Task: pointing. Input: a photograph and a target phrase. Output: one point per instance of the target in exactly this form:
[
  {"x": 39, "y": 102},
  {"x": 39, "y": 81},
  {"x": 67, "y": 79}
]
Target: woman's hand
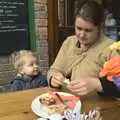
[
  {"x": 57, "y": 79},
  {"x": 84, "y": 85}
]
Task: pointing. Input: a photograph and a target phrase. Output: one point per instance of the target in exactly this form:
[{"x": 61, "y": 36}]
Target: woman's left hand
[{"x": 84, "y": 85}]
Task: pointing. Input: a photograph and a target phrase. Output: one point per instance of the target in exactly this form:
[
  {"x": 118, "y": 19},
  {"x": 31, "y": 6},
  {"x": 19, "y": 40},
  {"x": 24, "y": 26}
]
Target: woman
[{"x": 84, "y": 53}]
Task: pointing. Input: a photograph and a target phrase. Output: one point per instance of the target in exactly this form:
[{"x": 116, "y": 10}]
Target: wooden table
[{"x": 17, "y": 105}]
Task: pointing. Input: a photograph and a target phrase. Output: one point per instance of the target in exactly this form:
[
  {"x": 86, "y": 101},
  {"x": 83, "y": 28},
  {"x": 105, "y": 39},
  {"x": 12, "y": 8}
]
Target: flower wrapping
[{"x": 116, "y": 81}]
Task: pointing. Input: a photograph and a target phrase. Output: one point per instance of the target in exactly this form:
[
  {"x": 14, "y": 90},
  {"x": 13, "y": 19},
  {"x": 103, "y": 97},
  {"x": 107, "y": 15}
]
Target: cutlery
[
  {"x": 94, "y": 114},
  {"x": 59, "y": 97},
  {"x": 76, "y": 111},
  {"x": 68, "y": 114}
]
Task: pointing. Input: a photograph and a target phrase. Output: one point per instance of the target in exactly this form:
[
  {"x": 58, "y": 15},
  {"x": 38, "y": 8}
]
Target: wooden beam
[{"x": 52, "y": 29}]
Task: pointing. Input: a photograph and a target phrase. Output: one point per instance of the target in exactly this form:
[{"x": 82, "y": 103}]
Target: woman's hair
[
  {"x": 17, "y": 58},
  {"x": 91, "y": 11}
]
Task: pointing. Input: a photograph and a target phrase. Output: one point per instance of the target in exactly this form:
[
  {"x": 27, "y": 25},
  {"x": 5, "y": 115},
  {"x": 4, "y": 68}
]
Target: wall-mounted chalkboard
[{"x": 14, "y": 26}]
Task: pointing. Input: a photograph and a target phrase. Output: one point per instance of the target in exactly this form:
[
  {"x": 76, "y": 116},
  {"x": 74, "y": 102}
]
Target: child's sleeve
[
  {"x": 42, "y": 81},
  {"x": 16, "y": 86}
]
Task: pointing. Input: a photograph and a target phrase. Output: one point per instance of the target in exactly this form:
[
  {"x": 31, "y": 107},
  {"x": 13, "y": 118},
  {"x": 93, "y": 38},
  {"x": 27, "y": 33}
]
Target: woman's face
[{"x": 86, "y": 32}]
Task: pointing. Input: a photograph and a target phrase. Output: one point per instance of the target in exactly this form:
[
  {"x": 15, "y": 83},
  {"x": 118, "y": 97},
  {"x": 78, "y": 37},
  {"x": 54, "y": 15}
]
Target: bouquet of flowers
[
  {"x": 115, "y": 46},
  {"x": 111, "y": 68}
]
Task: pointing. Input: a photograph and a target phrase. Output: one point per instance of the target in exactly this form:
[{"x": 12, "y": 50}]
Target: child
[{"x": 28, "y": 74}]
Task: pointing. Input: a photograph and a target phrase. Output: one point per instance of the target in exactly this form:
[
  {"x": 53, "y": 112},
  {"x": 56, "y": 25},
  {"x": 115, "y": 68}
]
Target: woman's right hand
[{"x": 57, "y": 79}]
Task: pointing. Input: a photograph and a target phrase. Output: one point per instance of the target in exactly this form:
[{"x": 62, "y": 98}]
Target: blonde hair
[{"x": 17, "y": 58}]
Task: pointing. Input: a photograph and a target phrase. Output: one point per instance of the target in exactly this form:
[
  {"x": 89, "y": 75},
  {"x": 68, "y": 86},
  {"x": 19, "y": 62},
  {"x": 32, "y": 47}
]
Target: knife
[{"x": 59, "y": 97}]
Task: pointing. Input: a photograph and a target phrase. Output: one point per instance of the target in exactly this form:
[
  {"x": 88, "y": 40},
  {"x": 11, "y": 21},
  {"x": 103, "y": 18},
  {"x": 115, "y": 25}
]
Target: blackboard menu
[{"x": 14, "y": 28}]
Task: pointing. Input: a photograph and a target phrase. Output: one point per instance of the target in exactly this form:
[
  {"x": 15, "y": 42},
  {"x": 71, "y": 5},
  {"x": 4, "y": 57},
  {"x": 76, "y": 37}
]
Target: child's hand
[{"x": 57, "y": 79}]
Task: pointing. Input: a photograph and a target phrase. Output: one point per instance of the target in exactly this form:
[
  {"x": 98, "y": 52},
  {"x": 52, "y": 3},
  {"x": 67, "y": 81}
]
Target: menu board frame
[{"x": 17, "y": 29}]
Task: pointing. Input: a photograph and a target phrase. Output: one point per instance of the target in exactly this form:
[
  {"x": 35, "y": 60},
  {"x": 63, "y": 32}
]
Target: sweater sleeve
[
  {"x": 16, "y": 86},
  {"x": 55, "y": 67},
  {"x": 64, "y": 58},
  {"x": 109, "y": 88}
]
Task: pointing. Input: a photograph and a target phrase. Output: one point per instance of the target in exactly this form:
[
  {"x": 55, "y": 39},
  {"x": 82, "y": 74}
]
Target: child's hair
[{"x": 17, "y": 58}]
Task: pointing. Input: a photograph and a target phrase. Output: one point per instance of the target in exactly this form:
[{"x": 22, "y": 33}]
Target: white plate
[{"x": 38, "y": 108}]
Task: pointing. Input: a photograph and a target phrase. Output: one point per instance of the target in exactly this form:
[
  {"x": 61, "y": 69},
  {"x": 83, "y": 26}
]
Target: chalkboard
[{"x": 14, "y": 26}]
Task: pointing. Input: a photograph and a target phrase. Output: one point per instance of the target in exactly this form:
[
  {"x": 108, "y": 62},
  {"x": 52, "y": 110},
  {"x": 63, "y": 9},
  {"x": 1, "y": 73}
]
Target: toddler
[{"x": 28, "y": 74}]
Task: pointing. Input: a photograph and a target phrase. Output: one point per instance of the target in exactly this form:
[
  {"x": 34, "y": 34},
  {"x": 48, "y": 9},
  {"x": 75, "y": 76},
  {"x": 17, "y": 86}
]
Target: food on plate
[
  {"x": 47, "y": 99},
  {"x": 54, "y": 102},
  {"x": 56, "y": 108}
]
